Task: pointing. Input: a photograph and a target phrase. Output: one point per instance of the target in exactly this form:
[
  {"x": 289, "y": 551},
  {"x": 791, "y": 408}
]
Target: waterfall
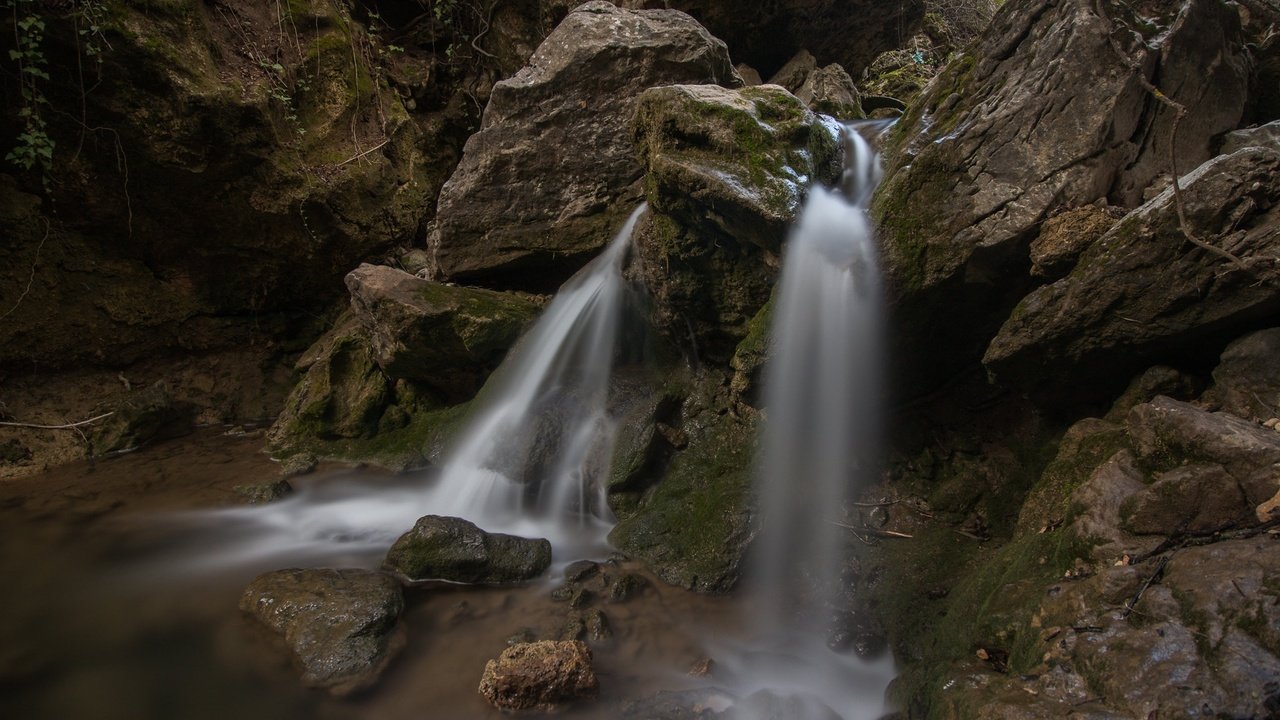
[
  {"x": 531, "y": 460},
  {"x": 820, "y": 441},
  {"x": 534, "y": 458}
]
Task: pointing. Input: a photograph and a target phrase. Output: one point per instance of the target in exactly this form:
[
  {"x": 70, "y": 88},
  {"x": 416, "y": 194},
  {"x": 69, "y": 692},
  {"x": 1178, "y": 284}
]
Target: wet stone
[
  {"x": 540, "y": 675},
  {"x": 581, "y": 598},
  {"x": 580, "y": 570},
  {"x": 627, "y": 587},
  {"x": 259, "y": 493},
  {"x": 597, "y": 625}
]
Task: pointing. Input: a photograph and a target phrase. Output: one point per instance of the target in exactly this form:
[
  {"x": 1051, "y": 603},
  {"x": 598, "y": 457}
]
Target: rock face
[
  {"x": 726, "y": 169},
  {"x": 1143, "y": 290},
  {"x": 551, "y": 175},
  {"x": 1140, "y": 555},
  {"x": 830, "y": 91},
  {"x": 442, "y": 337},
  {"x": 1041, "y": 114},
  {"x": 539, "y": 675},
  {"x": 342, "y": 625},
  {"x": 232, "y": 162},
  {"x": 448, "y": 548}
]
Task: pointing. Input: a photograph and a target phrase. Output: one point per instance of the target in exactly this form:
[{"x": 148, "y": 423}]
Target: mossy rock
[
  {"x": 692, "y": 527},
  {"x": 456, "y": 550}
]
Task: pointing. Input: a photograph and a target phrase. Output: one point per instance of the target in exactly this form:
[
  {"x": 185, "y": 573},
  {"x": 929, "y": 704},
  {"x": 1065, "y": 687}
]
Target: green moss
[
  {"x": 417, "y": 444},
  {"x": 691, "y": 528},
  {"x": 908, "y": 209}
]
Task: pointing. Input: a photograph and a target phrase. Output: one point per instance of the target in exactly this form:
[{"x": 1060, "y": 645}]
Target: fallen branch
[
  {"x": 1133, "y": 601},
  {"x": 1179, "y": 112},
  {"x": 889, "y": 534},
  {"x": 357, "y": 156},
  {"x": 67, "y": 426}
]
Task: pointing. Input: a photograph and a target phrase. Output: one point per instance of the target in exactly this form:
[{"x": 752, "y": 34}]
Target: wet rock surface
[
  {"x": 708, "y": 249},
  {"x": 453, "y": 549},
  {"x": 342, "y": 625},
  {"x": 540, "y": 675},
  {"x": 516, "y": 212}
]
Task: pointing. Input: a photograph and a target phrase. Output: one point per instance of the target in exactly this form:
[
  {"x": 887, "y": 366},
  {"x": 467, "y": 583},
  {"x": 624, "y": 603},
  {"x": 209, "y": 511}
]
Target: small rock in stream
[
  {"x": 449, "y": 548},
  {"x": 541, "y": 675}
]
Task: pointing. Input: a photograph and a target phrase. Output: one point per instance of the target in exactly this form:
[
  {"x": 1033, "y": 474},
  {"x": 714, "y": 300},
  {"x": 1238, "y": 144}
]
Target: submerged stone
[
  {"x": 453, "y": 549},
  {"x": 342, "y": 625}
]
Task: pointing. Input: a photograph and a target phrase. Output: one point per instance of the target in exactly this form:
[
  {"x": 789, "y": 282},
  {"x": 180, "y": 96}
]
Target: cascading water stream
[
  {"x": 820, "y": 441},
  {"x": 531, "y": 460}
]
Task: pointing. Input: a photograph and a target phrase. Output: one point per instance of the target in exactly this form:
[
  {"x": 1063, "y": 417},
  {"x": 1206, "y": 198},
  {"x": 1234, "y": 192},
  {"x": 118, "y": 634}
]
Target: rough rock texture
[
  {"x": 766, "y": 34},
  {"x": 192, "y": 156},
  {"x": 1040, "y": 114},
  {"x": 448, "y": 548},
  {"x": 1262, "y": 136},
  {"x": 551, "y": 173},
  {"x": 1143, "y": 292},
  {"x": 1139, "y": 557},
  {"x": 726, "y": 169},
  {"x": 830, "y": 91},
  {"x": 692, "y": 527},
  {"x": 1246, "y": 381},
  {"x": 899, "y": 74},
  {"x": 342, "y": 625},
  {"x": 1063, "y": 237},
  {"x": 145, "y": 415},
  {"x": 539, "y": 675},
  {"x": 444, "y": 338}
]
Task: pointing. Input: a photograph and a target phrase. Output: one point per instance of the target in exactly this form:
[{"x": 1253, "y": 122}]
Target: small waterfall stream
[
  {"x": 530, "y": 460},
  {"x": 820, "y": 442}
]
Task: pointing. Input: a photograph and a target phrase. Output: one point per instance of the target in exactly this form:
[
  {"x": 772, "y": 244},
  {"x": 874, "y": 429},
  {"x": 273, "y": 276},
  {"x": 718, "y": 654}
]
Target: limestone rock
[
  {"x": 453, "y": 549},
  {"x": 1142, "y": 292},
  {"x": 1246, "y": 381},
  {"x": 442, "y": 337},
  {"x": 515, "y": 210},
  {"x": 342, "y": 625},
  {"x": 1267, "y": 135},
  {"x": 1040, "y": 114},
  {"x": 540, "y": 675},
  {"x": 1167, "y": 432},
  {"x": 830, "y": 91},
  {"x": 795, "y": 73},
  {"x": 726, "y": 171},
  {"x": 1196, "y": 498},
  {"x": 342, "y": 393}
]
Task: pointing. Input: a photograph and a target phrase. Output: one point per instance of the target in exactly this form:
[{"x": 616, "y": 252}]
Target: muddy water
[{"x": 106, "y": 610}]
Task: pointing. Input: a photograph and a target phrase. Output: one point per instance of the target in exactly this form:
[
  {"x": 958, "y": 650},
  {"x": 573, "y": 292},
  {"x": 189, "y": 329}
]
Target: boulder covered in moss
[
  {"x": 693, "y": 526},
  {"x": 726, "y": 172},
  {"x": 1039, "y": 115},
  {"x": 1145, "y": 293},
  {"x": 551, "y": 175},
  {"x": 456, "y": 550},
  {"x": 441, "y": 337},
  {"x": 342, "y": 625}
]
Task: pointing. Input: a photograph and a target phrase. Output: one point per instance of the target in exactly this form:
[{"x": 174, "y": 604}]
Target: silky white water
[
  {"x": 820, "y": 441},
  {"x": 531, "y": 460}
]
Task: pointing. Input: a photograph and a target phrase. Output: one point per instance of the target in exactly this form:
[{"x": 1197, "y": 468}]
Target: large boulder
[
  {"x": 442, "y": 337},
  {"x": 1041, "y": 114},
  {"x": 726, "y": 173},
  {"x": 1144, "y": 292},
  {"x": 540, "y": 675},
  {"x": 342, "y": 625},
  {"x": 453, "y": 549},
  {"x": 551, "y": 174}
]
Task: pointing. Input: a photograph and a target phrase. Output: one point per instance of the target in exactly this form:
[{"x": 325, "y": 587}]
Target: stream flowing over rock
[
  {"x": 342, "y": 625},
  {"x": 1040, "y": 115},
  {"x": 551, "y": 174}
]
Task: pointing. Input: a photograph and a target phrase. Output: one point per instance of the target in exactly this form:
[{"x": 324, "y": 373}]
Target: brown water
[{"x": 99, "y": 617}]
